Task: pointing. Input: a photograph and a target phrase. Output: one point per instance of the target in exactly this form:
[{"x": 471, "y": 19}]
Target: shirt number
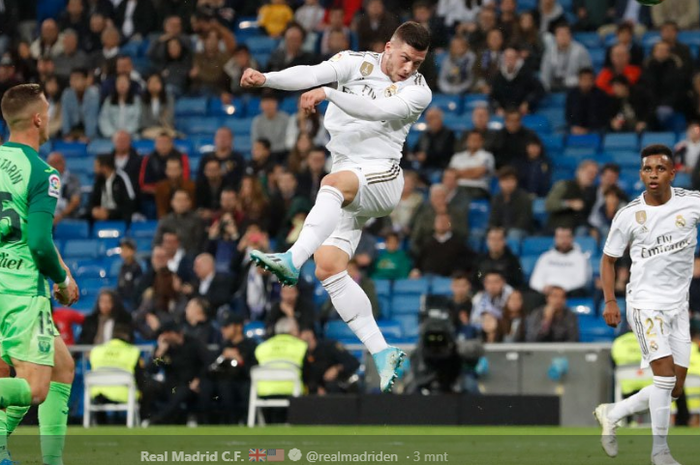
[{"x": 14, "y": 233}]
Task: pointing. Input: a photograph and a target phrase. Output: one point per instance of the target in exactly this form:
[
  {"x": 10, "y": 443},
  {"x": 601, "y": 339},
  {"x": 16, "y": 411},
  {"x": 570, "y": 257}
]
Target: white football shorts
[{"x": 661, "y": 333}]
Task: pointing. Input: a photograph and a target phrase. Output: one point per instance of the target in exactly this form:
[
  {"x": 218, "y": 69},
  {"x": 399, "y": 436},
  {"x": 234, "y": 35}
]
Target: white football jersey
[
  {"x": 662, "y": 243},
  {"x": 355, "y": 140}
]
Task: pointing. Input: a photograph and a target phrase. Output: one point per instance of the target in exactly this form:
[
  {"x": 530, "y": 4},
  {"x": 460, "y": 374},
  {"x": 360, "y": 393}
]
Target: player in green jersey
[{"x": 29, "y": 189}]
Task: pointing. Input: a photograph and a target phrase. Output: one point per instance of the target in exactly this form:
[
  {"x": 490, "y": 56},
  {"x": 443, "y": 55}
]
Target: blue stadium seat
[
  {"x": 666, "y": 138},
  {"x": 620, "y": 141},
  {"x": 254, "y": 330},
  {"x": 216, "y": 107},
  {"x": 537, "y": 123},
  {"x": 405, "y": 304},
  {"x": 472, "y": 101},
  {"x": 239, "y": 126},
  {"x": 555, "y": 117},
  {"x": 184, "y": 145},
  {"x": 527, "y": 263},
  {"x": 70, "y": 149},
  {"x": 650, "y": 38},
  {"x": 580, "y": 153},
  {"x": 591, "y": 141},
  {"x": 290, "y": 105},
  {"x": 200, "y": 125},
  {"x": 144, "y": 146},
  {"x": 561, "y": 174},
  {"x": 191, "y": 106},
  {"x": 595, "y": 330},
  {"x": 308, "y": 272},
  {"x": 627, "y": 159},
  {"x": 409, "y": 325},
  {"x": 552, "y": 142},
  {"x": 108, "y": 229},
  {"x": 457, "y": 122},
  {"x": 554, "y": 100},
  {"x": 91, "y": 271},
  {"x": 447, "y": 103},
  {"x": 566, "y": 162},
  {"x": 262, "y": 44},
  {"x": 82, "y": 248},
  {"x": 539, "y": 212},
  {"x": 144, "y": 244},
  {"x": 100, "y": 146},
  {"x": 479, "y": 216},
  {"x": 382, "y": 287},
  {"x": 93, "y": 285},
  {"x": 587, "y": 244},
  {"x": 514, "y": 245},
  {"x": 537, "y": 245},
  {"x": 683, "y": 180},
  {"x": 588, "y": 39},
  {"x": 338, "y": 329},
  {"x": 143, "y": 229},
  {"x": 441, "y": 286},
  {"x": 132, "y": 49},
  {"x": 243, "y": 144},
  {"x": 597, "y": 57},
  {"x": 582, "y": 306},
  {"x": 81, "y": 165},
  {"x": 410, "y": 286},
  {"x": 72, "y": 229},
  {"x": 390, "y": 328}
]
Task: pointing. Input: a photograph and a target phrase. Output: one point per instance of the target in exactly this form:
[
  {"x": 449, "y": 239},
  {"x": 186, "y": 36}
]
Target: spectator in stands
[
  {"x": 174, "y": 181},
  {"x": 298, "y": 156},
  {"x": 113, "y": 197},
  {"x": 180, "y": 261},
  {"x": 68, "y": 203},
  {"x": 184, "y": 361},
  {"x": 253, "y": 287},
  {"x": 499, "y": 258},
  {"x": 157, "y": 109},
  {"x": 423, "y": 224},
  {"x": 457, "y": 197},
  {"x": 135, "y": 19},
  {"x": 528, "y": 37},
  {"x": 625, "y": 37},
  {"x": 511, "y": 142},
  {"x": 307, "y": 123},
  {"x": 459, "y": 303},
  {"x": 554, "y": 322},
  {"x": 424, "y": 14},
  {"x": 474, "y": 167},
  {"x": 271, "y": 124},
  {"x": 9, "y": 20},
  {"x": 157, "y": 262},
  {"x": 486, "y": 20},
  {"x": 328, "y": 366},
  {"x": 515, "y": 85},
  {"x": 336, "y": 17},
  {"x": 25, "y": 65},
  {"x": 562, "y": 61},
  {"x": 549, "y": 15},
  {"x": 241, "y": 60},
  {"x": 231, "y": 161},
  {"x": 337, "y": 42},
  {"x": 695, "y": 287},
  {"x": 392, "y": 262},
  {"x": 120, "y": 110},
  {"x": 291, "y": 52},
  {"x": 80, "y": 107},
  {"x": 570, "y": 201},
  {"x": 91, "y": 41},
  {"x": 49, "y": 41},
  {"x": 290, "y": 305},
  {"x": 232, "y": 373},
  {"x": 609, "y": 176},
  {"x": 184, "y": 221},
  {"x": 586, "y": 105},
  {"x": 176, "y": 67},
  {"x": 488, "y": 61},
  {"x": 196, "y": 323},
  {"x": 126, "y": 158},
  {"x": 107, "y": 313},
  {"x": 375, "y": 25},
  {"x": 436, "y": 144},
  {"x": 275, "y": 17},
  {"x": 687, "y": 151},
  {"x": 172, "y": 29},
  {"x": 45, "y": 68},
  {"x": 491, "y": 328},
  {"x": 253, "y": 201},
  {"x": 444, "y": 252},
  {"x": 207, "y": 75},
  {"x": 153, "y": 166},
  {"x": 310, "y": 15},
  {"x": 223, "y": 236},
  {"x": 65, "y": 319},
  {"x": 480, "y": 123},
  {"x": 104, "y": 60},
  {"x": 564, "y": 265},
  {"x": 508, "y": 19},
  {"x": 692, "y": 107},
  {"x": 492, "y": 299},
  {"x": 457, "y": 68},
  {"x": 7, "y": 75},
  {"x": 665, "y": 82},
  {"x": 630, "y": 108},
  {"x": 511, "y": 208},
  {"x": 620, "y": 65},
  {"x": 514, "y": 318},
  {"x": 71, "y": 57},
  {"x": 309, "y": 180},
  {"x": 52, "y": 90},
  {"x": 669, "y": 34},
  {"x": 409, "y": 203},
  {"x": 601, "y": 218},
  {"x": 208, "y": 189},
  {"x": 685, "y": 14},
  {"x": 284, "y": 204},
  {"x": 130, "y": 273},
  {"x": 214, "y": 287}
]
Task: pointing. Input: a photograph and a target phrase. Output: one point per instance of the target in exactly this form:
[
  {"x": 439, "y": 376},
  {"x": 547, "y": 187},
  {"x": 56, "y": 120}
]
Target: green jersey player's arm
[{"x": 42, "y": 200}]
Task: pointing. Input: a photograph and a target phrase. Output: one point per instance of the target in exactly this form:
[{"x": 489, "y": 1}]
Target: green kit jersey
[{"x": 27, "y": 185}]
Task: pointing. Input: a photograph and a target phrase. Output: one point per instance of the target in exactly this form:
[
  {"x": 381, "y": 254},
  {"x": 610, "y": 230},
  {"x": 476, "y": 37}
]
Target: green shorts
[{"x": 27, "y": 330}]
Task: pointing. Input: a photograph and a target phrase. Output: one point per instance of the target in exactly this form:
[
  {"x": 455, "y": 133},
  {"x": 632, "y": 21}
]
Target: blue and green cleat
[
  {"x": 388, "y": 362},
  {"x": 280, "y": 264}
]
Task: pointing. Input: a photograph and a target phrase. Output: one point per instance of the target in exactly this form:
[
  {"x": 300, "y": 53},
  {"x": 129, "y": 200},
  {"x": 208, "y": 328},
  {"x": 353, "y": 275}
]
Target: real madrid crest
[
  {"x": 641, "y": 216},
  {"x": 680, "y": 221},
  {"x": 653, "y": 346},
  {"x": 366, "y": 68},
  {"x": 390, "y": 91}
]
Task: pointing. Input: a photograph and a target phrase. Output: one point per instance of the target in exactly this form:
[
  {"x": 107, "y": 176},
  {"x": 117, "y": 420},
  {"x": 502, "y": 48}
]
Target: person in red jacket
[
  {"x": 65, "y": 318},
  {"x": 620, "y": 66}
]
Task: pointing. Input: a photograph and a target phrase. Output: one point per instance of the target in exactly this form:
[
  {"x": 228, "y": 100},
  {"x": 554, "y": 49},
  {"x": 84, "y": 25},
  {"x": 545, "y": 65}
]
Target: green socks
[
  {"x": 14, "y": 417},
  {"x": 53, "y": 417},
  {"x": 15, "y": 391},
  {"x": 3, "y": 436}
]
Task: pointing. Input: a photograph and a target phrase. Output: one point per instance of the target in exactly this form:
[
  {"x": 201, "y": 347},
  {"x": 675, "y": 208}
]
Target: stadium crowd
[{"x": 507, "y": 197}]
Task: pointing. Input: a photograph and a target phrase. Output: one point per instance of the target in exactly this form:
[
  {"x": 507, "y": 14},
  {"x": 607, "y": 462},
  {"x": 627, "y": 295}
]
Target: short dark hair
[
  {"x": 174, "y": 158},
  {"x": 561, "y": 24},
  {"x": 657, "y": 149},
  {"x": 106, "y": 161},
  {"x": 82, "y": 71},
  {"x": 392, "y": 234},
  {"x": 625, "y": 26},
  {"x": 17, "y": 98},
  {"x": 620, "y": 80},
  {"x": 264, "y": 142},
  {"x": 670, "y": 22},
  {"x": 614, "y": 167},
  {"x": 414, "y": 35},
  {"x": 586, "y": 70},
  {"x": 614, "y": 190},
  {"x": 184, "y": 191},
  {"x": 459, "y": 275},
  {"x": 507, "y": 172},
  {"x": 229, "y": 189}
]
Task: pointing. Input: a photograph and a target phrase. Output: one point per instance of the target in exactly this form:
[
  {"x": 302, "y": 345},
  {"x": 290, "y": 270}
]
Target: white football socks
[
  {"x": 319, "y": 224},
  {"x": 636, "y": 403},
  {"x": 355, "y": 309},
  {"x": 660, "y": 409}
]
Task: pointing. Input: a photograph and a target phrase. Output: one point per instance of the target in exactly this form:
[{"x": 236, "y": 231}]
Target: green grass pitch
[{"x": 410, "y": 444}]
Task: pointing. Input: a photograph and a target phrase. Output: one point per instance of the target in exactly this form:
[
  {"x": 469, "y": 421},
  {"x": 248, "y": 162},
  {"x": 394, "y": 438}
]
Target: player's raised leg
[
  {"x": 337, "y": 190},
  {"x": 354, "y": 307}
]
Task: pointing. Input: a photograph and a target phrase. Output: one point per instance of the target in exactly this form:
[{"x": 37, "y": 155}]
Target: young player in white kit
[
  {"x": 379, "y": 97},
  {"x": 660, "y": 226}
]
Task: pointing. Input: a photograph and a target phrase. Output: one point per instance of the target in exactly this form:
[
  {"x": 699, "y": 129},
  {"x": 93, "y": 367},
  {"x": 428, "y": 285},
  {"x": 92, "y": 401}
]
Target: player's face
[
  {"x": 402, "y": 60},
  {"x": 657, "y": 173}
]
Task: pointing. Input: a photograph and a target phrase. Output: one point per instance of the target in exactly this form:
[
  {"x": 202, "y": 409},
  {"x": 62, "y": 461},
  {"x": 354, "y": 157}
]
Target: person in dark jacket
[
  {"x": 328, "y": 366},
  {"x": 232, "y": 162},
  {"x": 213, "y": 287},
  {"x": 511, "y": 142},
  {"x": 129, "y": 273},
  {"x": 108, "y": 312},
  {"x": 291, "y": 305},
  {"x": 136, "y": 18},
  {"x": 436, "y": 144},
  {"x": 208, "y": 189},
  {"x": 664, "y": 79},
  {"x": 511, "y": 208},
  {"x": 113, "y": 196},
  {"x": 630, "y": 108},
  {"x": 153, "y": 165},
  {"x": 554, "y": 322},
  {"x": 309, "y": 180},
  {"x": 534, "y": 173},
  {"x": 126, "y": 158},
  {"x": 444, "y": 252},
  {"x": 500, "y": 259},
  {"x": 197, "y": 325},
  {"x": 586, "y": 105},
  {"x": 515, "y": 86},
  {"x": 569, "y": 203}
]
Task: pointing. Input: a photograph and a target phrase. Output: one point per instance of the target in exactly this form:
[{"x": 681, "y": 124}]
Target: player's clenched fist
[
  {"x": 611, "y": 314},
  {"x": 310, "y": 99},
  {"x": 67, "y": 295},
  {"x": 252, "y": 78}
]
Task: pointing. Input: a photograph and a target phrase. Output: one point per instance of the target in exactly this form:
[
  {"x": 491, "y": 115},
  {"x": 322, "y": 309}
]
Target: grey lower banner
[{"x": 141, "y": 447}]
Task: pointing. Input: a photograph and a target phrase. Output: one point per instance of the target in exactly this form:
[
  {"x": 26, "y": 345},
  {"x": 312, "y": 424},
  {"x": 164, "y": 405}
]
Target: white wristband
[{"x": 65, "y": 283}]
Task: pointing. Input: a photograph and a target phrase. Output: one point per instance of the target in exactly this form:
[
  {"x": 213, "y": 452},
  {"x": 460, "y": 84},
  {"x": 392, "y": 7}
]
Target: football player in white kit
[
  {"x": 379, "y": 97},
  {"x": 660, "y": 227}
]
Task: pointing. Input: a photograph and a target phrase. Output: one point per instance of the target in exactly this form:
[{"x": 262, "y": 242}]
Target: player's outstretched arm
[
  {"x": 294, "y": 78},
  {"x": 611, "y": 314},
  {"x": 402, "y": 106}
]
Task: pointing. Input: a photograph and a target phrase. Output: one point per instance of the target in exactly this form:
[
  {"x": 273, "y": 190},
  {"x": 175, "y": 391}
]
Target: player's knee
[
  {"x": 327, "y": 268},
  {"x": 38, "y": 393}
]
